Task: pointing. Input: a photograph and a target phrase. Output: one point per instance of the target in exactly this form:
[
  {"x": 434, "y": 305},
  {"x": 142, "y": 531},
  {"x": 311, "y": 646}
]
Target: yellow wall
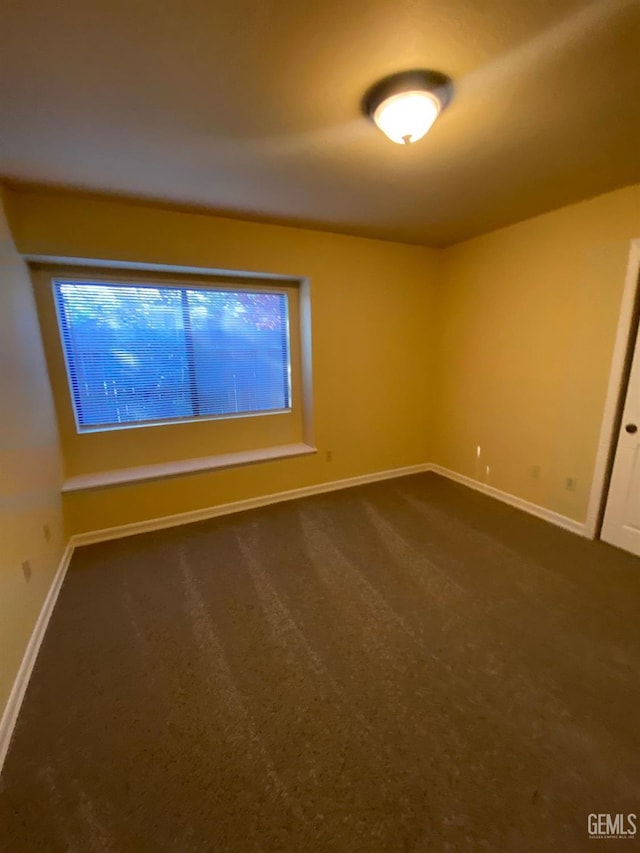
[
  {"x": 372, "y": 319},
  {"x": 30, "y": 470},
  {"x": 526, "y": 319},
  {"x": 419, "y": 355}
]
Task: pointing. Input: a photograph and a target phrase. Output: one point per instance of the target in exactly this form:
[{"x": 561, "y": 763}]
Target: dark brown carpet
[{"x": 406, "y": 666}]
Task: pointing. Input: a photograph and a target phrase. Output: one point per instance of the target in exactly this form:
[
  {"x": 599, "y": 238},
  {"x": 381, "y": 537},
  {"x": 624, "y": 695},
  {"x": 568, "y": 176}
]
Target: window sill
[{"x": 164, "y": 470}]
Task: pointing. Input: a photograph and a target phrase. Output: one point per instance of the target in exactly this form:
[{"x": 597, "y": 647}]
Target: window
[
  {"x": 143, "y": 353},
  {"x": 218, "y": 362}
]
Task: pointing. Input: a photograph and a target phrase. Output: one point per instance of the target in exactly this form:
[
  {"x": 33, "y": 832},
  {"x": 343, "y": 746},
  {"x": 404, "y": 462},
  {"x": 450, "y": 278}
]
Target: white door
[{"x": 621, "y": 525}]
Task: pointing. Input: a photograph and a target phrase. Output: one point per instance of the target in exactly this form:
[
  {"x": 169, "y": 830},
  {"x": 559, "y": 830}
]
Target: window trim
[
  {"x": 161, "y": 281},
  {"x": 166, "y": 470},
  {"x": 81, "y": 477}
]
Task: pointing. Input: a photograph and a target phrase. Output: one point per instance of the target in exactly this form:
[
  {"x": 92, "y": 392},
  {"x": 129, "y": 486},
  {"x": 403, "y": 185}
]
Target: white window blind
[{"x": 138, "y": 353}]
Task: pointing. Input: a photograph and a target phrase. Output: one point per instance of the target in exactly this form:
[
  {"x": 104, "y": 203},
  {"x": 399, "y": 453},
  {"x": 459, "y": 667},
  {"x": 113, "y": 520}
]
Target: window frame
[
  {"x": 96, "y": 460},
  {"x": 141, "y": 279}
]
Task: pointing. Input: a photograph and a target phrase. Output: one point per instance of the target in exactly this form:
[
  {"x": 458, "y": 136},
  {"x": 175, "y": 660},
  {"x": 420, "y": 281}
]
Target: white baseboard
[
  {"x": 10, "y": 715},
  {"x": 239, "y": 506},
  {"x": 519, "y": 503},
  {"x": 12, "y": 708}
]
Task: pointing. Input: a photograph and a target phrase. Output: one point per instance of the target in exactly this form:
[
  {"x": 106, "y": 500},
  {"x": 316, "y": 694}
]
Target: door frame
[{"x": 616, "y": 389}]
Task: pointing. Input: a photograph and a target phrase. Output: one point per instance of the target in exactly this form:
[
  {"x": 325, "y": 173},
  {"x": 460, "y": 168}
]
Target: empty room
[{"x": 320, "y": 426}]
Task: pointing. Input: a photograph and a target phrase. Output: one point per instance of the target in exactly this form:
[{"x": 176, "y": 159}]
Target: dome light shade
[
  {"x": 405, "y": 106},
  {"x": 406, "y": 117}
]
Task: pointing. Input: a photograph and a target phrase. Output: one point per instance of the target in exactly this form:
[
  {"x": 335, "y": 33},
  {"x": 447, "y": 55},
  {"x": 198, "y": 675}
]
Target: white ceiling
[{"x": 251, "y": 107}]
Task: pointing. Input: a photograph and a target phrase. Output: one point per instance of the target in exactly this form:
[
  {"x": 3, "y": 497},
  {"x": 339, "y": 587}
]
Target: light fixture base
[{"x": 420, "y": 79}]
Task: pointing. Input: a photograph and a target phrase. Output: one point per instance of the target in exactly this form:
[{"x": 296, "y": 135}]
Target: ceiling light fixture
[{"x": 405, "y": 105}]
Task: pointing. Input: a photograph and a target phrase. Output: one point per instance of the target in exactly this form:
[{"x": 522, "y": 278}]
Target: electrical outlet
[
  {"x": 570, "y": 484},
  {"x": 536, "y": 471},
  {"x": 46, "y": 530},
  {"x": 26, "y": 570},
  {"x": 329, "y": 455}
]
